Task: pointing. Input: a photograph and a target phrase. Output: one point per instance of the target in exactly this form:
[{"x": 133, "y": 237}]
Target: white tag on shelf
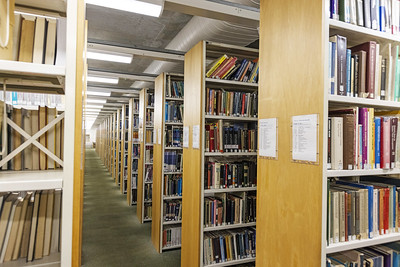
[
  {"x": 159, "y": 136},
  {"x": 186, "y": 136},
  {"x": 196, "y": 137}
]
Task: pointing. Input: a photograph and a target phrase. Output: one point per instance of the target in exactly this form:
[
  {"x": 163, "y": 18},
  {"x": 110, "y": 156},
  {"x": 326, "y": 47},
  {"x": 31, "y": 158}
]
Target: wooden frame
[
  {"x": 133, "y": 113},
  {"x": 194, "y": 158},
  {"x": 157, "y": 226}
]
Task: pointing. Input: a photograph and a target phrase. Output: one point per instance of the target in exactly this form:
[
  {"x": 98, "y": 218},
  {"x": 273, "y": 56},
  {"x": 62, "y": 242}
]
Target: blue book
[
  {"x": 221, "y": 244},
  {"x": 14, "y": 98},
  {"x": 166, "y": 111},
  {"x": 378, "y": 143},
  {"x": 370, "y": 189},
  {"x": 240, "y": 70},
  {"x": 333, "y": 57},
  {"x": 348, "y": 71},
  {"x": 382, "y": 16}
]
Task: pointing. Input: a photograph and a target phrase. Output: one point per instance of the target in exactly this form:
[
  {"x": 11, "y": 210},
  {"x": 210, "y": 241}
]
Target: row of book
[
  {"x": 357, "y": 139},
  {"x": 380, "y": 15},
  {"x": 173, "y": 111},
  {"x": 148, "y": 174},
  {"x": 227, "y": 209},
  {"x": 150, "y": 100},
  {"x": 173, "y": 185},
  {"x": 230, "y": 137},
  {"x": 134, "y": 196},
  {"x": 227, "y": 103},
  {"x": 33, "y": 99},
  {"x": 148, "y": 155},
  {"x": 134, "y": 181},
  {"x": 135, "y": 150},
  {"x": 31, "y": 121},
  {"x": 148, "y": 192},
  {"x": 30, "y": 224},
  {"x": 135, "y": 136},
  {"x": 172, "y": 210},
  {"x": 368, "y": 70},
  {"x": 362, "y": 210},
  {"x": 173, "y": 161},
  {"x": 149, "y": 137},
  {"x": 147, "y": 211},
  {"x": 385, "y": 255},
  {"x": 174, "y": 88},
  {"x": 149, "y": 117},
  {"x": 173, "y": 136},
  {"x": 230, "y": 174},
  {"x": 172, "y": 236},
  {"x": 134, "y": 165},
  {"x": 230, "y": 245},
  {"x": 230, "y": 68},
  {"x": 38, "y": 39}
]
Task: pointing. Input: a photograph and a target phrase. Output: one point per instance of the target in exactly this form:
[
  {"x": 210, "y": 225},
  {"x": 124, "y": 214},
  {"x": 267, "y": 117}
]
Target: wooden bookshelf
[
  {"x": 194, "y": 159},
  {"x": 132, "y": 168},
  {"x": 145, "y": 147},
  {"x": 124, "y": 155},
  {"x": 286, "y": 182},
  {"x": 117, "y": 145},
  {"x": 162, "y": 84}
]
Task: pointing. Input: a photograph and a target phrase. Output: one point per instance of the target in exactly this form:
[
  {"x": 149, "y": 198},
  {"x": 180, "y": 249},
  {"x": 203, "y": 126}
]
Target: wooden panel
[
  {"x": 192, "y": 163},
  {"x": 289, "y": 195},
  {"x": 141, "y": 170},
  {"x": 117, "y": 155},
  {"x": 122, "y": 149},
  {"x": 157, "y": 161},
  {"x": 79, "y": 138},
  {"x": 129, "y": 178}
]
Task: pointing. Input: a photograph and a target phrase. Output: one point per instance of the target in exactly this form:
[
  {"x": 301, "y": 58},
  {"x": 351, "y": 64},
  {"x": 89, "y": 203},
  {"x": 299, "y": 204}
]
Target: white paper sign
[
  {"x": 186, "y": 136},
  {"x": 196, "y": 136},
  {"x": 304, "y": 137},
  {"x": 140, "y": 135},
  {"x": 268, "y": 137},
  {"x": 154, "y": 133},
  {"x": 159, "y": 136}
]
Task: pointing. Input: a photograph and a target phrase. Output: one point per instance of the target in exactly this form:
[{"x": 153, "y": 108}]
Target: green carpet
[{"x": 112, "y": 234}]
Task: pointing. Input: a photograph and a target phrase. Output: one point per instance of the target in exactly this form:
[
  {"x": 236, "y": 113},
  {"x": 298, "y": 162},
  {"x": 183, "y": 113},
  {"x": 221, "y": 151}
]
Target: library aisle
[{"x": 112, "y": 234}]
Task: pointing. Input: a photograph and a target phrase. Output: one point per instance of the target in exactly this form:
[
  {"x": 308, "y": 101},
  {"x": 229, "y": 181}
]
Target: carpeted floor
[{"x": 112, "y": 234}]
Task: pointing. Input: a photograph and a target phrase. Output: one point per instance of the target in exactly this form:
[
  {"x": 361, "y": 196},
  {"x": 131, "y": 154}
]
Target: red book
[
  {"x": 211, "y": 138},
  {"x": 243, "y": 103},
  {"x": 219, "y": 67},
  {"x": 225, "y": 68},
  {"x": 393, "y": 134},
  {"x": 386, "y": 210},
  {"x": 370, "y": 49},
  {"x": 209, "y": 175}
]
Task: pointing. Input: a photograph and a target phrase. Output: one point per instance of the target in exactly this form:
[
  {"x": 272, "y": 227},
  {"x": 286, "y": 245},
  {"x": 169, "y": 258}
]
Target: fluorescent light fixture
[
  {"x": 93, "y": 106},
  {"x": 114, "y": 57},
  {"x": 96, "y": 79},
  {"x": 100, "y": 101},
  {"x": 98, "y": 93},
  {"x": 150, "y": 8}
]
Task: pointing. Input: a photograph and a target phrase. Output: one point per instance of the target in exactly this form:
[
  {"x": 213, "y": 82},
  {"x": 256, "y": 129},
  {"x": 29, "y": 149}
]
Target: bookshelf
[
  {"x": 168, "y": 128},
  {"x": 133, "y": 151},
  {"x": 293, "y": 191},
  {"x": 117, "y": 141},
  {"x": 194, "y": 232},
  {"x": 66, "y": 79},
  {"x": 123, "y": 166},
  {"x": 145, "y": 162}
]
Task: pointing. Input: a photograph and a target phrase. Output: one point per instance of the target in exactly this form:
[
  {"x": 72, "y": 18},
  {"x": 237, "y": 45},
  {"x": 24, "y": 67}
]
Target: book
[
  {"x": 341, "y": 63},
  {"x": 27, "y": 228},
  {"x": 42, "y": 119},
  {"x": 16, "y": 36},
  {"x": 370, "y": 49},
  {"x": 51, "y": 136},
  {"x": 34, "y": 224},
  {"x": 17, "y": 138},
  {"x": 21, "y": 226},
  {"x": 48, "y": 222},
  {"x": 8, "y": 230},
  {"x": 41, "y": 225},
  {"x": 337, "y": 143},
  {"x": 49, "y": 56},
  {"x": 4, "y": 219},
  {"x": 27, "y": 126},
  {"x": 61, "y": 41},
  {"x": 14, "y": 225},
  {"x": 39, "y": 40},
  {"x": 35, "y": 149}
]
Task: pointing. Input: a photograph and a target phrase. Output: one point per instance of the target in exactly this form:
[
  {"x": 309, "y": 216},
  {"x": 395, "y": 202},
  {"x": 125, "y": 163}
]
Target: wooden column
[
  {"x": 289, "y": 195},
  {"x": 141, "y": 168}
]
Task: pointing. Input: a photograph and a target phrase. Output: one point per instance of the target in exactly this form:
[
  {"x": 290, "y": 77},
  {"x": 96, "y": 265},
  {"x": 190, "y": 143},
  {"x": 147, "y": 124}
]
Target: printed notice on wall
[
  {"x": 196, "y": 136},
  {"x": 186, "y": 136},
  {"x": 159, "y": 136},
  {"x": 268, "y": 137},
  {"x": 304, "y": 137}
]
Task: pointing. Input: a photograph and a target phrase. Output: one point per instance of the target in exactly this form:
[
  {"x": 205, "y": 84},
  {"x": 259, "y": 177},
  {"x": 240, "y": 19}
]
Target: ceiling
[{"x": 135, "y": 30}]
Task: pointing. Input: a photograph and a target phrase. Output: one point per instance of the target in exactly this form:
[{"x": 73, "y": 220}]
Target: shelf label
[
  {"x": 196, "y": 137},
  {"x": 305, "y": 138},
  {"x": 159, "y": 136},
  {"x": 268, "y": 136},
  {"x": 186, "y": 136}
]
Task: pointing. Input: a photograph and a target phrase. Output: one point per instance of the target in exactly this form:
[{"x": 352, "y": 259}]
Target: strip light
[
  {"x": 98, "y": 93},
  {"x": 102, "y": 80},
  {"x": 133, "y": 6},
  {"x": 100, "y": 101},
  {"x": 94, "y": 106},
  {"x": 119, "y": 58}
]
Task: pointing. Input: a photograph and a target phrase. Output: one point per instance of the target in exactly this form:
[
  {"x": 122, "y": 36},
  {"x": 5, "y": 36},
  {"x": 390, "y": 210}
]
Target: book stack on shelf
[
  {"x": 30, "y": 225},
  {"x": 124, "y": 148},
  {"x": 145, "y": 161},
  {"x": 135, "y": 150},
  {"x": 168, "y": 165},
  {"x": 362, "y": 131},
  {"x": 224, "y": 180}
]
